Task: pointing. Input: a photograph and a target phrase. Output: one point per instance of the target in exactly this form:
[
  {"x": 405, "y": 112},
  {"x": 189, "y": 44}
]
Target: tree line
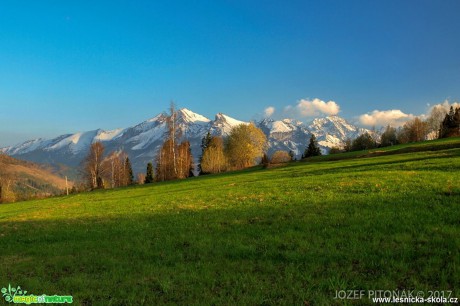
[
  {"x": 245, "y": 146},
  {"x": 439, "y": 124},
  {"x": 111, "y": 171},
  {"x": 242, "y": 148}
]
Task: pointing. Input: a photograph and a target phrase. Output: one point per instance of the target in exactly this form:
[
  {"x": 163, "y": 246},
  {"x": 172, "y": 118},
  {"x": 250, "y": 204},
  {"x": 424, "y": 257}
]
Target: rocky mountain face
[
  {"x": 289, "y": 134},
  {"x": 142, "y": 141}
]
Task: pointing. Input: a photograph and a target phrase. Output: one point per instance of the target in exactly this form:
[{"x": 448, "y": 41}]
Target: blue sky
[{"x": 68, "y": 66}]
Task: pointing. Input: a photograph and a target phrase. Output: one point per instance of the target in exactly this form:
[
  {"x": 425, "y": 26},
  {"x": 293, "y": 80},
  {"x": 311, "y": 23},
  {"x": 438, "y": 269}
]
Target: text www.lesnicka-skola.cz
[
  {"x": 399, "y": 296},
  {"x": 416, "y": 300}
]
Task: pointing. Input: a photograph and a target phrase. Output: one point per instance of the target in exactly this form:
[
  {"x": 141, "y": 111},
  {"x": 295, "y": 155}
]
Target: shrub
[{"x": 280, "y": 157}]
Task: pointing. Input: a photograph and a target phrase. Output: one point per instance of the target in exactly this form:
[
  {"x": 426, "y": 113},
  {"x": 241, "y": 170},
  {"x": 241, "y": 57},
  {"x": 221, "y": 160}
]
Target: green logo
[{"x": 19, "y": 296}]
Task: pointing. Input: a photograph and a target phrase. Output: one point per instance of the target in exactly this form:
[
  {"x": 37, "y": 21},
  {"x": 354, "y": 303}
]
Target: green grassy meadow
[{"x": 289, "y": 235}]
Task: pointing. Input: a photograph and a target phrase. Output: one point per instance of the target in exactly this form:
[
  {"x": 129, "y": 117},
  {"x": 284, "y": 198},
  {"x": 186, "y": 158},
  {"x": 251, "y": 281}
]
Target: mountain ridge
[{"x": 142, "y": 141}]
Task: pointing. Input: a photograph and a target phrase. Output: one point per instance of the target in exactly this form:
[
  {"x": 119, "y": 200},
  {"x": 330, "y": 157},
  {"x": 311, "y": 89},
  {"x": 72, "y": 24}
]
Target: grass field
[{"x": 291, "y": 235}]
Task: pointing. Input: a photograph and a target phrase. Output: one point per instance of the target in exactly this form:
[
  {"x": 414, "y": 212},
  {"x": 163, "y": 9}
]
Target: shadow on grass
[{"x": 252, "y": 255}]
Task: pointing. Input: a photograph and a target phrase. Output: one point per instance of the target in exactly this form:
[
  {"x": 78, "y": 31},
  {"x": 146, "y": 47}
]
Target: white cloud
[
  {"x": 312, "y": 108},
  {"x": 269, "y": 111},
  {"x": 396, "y": 117},
  {"x": 444, "y": 106},
  {"x": 393, "y": 117}
]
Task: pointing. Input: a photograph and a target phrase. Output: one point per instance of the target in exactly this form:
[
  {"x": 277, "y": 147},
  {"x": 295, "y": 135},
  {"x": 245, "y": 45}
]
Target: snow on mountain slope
[
  {"x": 282, "y": 126},
  {"x": 191, "y": 124},
  {"x": 25, "y": 147},
  {"x": 75, "y": 143},
  {"x": 147, "y": 137},
  {"x": 332, "y": 125},
  {"x": 191, "y": 117},
  {"x": 332, "y": 131},
  {"x": 294, "y": 135},
  {"x": 223, "y": 124},
  {"x": 142, "y": 141},
  {"x": 109, "y": 135}
]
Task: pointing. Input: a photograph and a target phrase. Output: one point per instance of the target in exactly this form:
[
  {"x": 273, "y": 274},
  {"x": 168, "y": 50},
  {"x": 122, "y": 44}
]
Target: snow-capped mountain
[
  {"x": 142, "y": 141},
  {"x": 332, "y": 131},
  {"x": 289, "y": 134},
  {"x": 222, "y": 125}
]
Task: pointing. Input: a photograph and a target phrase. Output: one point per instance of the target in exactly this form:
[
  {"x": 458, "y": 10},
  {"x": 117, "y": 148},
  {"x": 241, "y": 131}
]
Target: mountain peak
[
  {"x": 220, "y": 117},
  {"x": 223, "y": 124},
  {"x": 158, "y": 117},
  {"x": 223, "y": 117},
  {"x": 142, "y": 141},
  {"x": 332, "y": 118},
  {"x": 334, "y": 126},
  {"x": 267, "y": 120},
  {"x": 189, "y": 116}
]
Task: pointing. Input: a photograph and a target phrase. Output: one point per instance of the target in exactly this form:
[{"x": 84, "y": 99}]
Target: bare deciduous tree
[
  {"x": 173, "y": 164},
  {"x": 140, "y": 178},
  {"x": 174, "y": 160},
  {"x": 92, "y": 166},
  {"x": 437, "y": 114},
  {"x": 184, "y": 160},
  {"x": 413, "y": 131},
  {"x": 173, "y": 136},
  {"x": 116, "y": 169},
  {"x": 165, "y": 162}
]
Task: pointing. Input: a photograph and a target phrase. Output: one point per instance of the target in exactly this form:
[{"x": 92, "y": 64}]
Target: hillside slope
[
  {"x": 292, "y": 235},
  {"x": 31, "y": 179}
]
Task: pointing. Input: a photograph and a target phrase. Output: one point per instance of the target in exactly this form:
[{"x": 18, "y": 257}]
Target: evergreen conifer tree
[
  {"x": 457, "y": 121},
  {"x": 129, "y": 172},
  {"x": 312, "y": 149},
  {"x": 205, "y": 141},
  {"x": 265, "y": 161},
  {"x": 450, "y": 126},
  {"x": 149, "y": 174}
]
